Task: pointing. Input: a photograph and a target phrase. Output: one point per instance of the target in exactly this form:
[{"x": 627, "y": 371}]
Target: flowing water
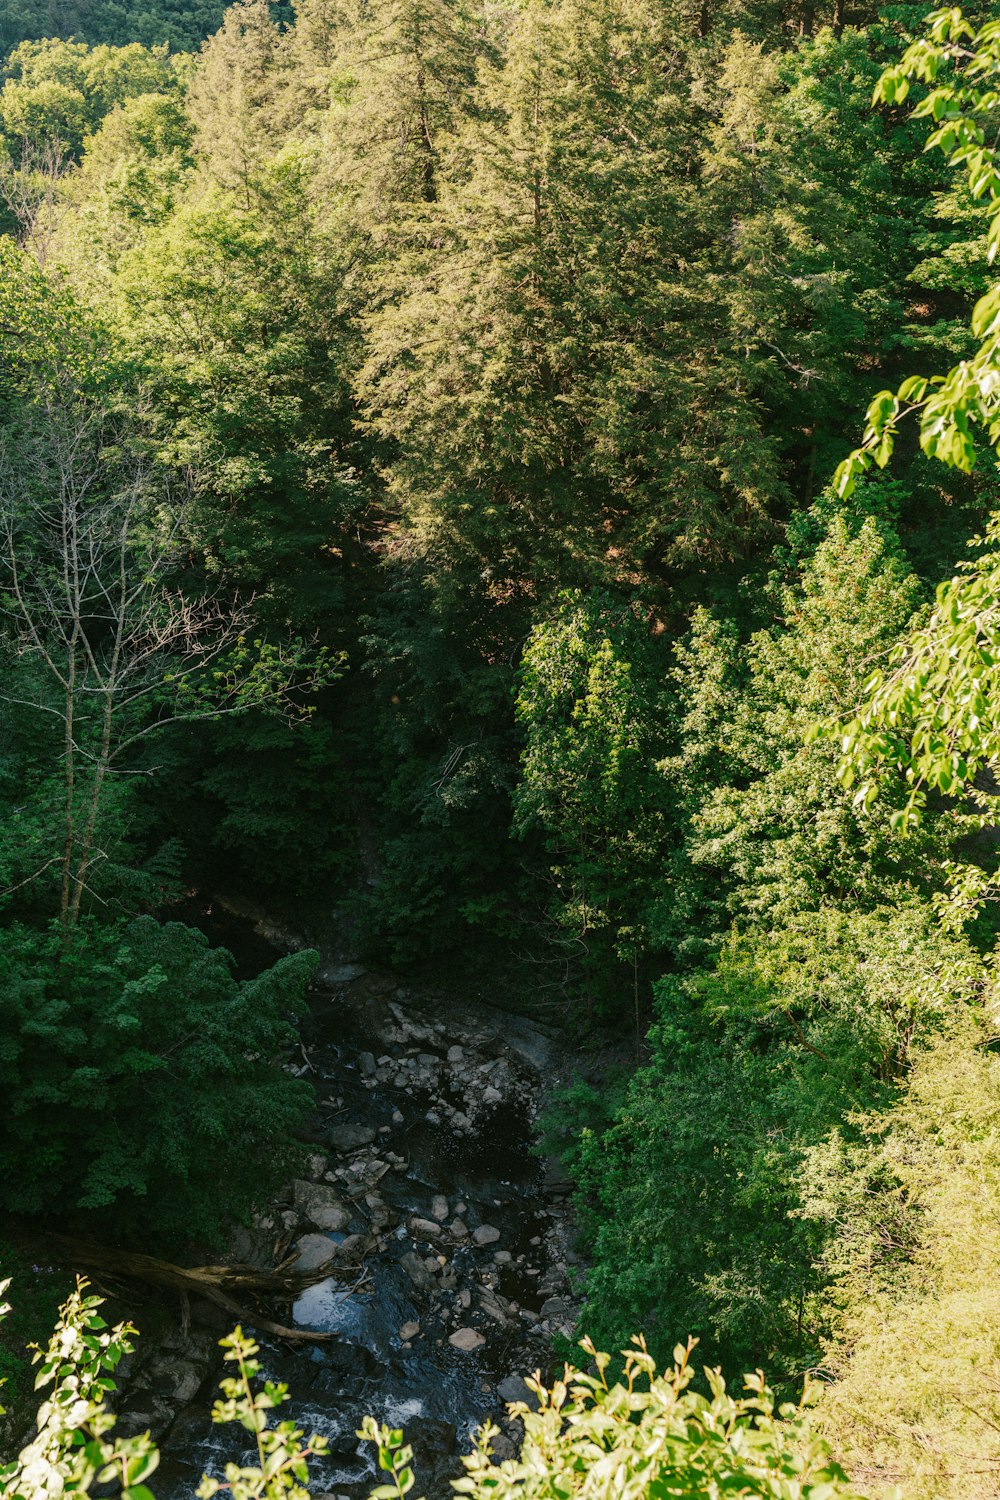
[{"x": 442, "y": 1099}]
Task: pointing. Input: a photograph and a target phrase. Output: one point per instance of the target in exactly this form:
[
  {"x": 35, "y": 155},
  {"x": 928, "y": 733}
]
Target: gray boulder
[
  {"x": 320, "y": 1205},
  {"x": 417, "y": 1271},
  {"x": 425, "y": 1229},
  {"x": 513, "y": 1388},
  {"x": 346, "y": 1138},
  {"x": 467, "y": 1339},
  {"x": 315, "y": 1250}
]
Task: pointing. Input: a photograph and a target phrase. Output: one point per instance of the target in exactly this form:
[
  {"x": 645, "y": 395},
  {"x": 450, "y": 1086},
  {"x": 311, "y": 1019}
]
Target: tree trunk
[
  {"x": 203, "y": 1281},
  {"x": 90, "y": 827},
  {"x": 69, "y": 751}
]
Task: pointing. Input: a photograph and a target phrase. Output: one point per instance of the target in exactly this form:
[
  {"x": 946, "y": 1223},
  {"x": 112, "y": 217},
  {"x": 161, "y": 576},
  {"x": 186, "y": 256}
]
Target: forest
[{"x": 512, "y": 481}]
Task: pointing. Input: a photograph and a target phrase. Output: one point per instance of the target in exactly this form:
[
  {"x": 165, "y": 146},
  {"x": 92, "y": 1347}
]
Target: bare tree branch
[{"x": 90, "y": 534}]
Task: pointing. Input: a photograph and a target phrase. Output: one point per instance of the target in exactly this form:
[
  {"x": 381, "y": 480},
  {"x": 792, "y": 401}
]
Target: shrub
[
  {"x": 141, "y": 1078},
  {"x": 649, "y": 1436}
]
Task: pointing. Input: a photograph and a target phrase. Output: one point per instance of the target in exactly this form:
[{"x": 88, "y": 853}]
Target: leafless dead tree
[
  {"x": 30, "y": 187},
  {"x": 90, "y": 534}
]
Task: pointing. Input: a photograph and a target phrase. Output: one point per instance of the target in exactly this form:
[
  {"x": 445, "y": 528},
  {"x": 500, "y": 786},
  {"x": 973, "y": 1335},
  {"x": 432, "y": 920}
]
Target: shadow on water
[{"x": 439, "y": 1393}]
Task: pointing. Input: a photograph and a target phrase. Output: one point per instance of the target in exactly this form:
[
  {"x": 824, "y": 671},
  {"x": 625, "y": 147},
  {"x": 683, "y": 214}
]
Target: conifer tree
[
  {"x": 535, "y": 367},
  {"x": 232, "y": 93},
  {"x": 405, "y": 79}
]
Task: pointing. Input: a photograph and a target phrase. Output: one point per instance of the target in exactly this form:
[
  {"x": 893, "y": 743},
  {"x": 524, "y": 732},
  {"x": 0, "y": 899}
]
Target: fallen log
[{"x": 211, "y": 1282}]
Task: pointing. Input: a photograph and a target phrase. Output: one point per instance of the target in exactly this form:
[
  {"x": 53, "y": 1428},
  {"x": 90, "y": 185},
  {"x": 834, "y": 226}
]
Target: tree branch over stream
[{"x": 213, "y": 1282}]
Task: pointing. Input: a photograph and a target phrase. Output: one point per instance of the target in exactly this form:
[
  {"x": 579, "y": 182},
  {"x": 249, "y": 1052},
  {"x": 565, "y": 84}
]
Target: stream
[{"x": 447, "y": 1241}]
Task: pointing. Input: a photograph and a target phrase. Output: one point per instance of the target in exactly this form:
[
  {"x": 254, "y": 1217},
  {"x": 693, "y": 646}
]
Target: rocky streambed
[{"x": 447, "y": 1244}]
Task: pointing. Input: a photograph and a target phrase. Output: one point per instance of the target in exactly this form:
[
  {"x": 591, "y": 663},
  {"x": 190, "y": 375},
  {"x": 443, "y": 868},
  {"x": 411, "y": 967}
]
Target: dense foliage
[
  {"x": 648, "y": 1434},
  {"x": 133, "y": 1060},
  {"x": 418, "y": 437}
]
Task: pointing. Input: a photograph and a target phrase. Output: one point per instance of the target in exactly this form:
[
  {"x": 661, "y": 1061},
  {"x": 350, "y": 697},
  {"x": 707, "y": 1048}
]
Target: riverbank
[{"x": 447, "y": 1243}]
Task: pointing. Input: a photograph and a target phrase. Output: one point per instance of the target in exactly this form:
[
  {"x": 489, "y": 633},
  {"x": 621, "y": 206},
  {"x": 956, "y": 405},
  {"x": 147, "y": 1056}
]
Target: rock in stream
[{"x": 447, "y": 1256}]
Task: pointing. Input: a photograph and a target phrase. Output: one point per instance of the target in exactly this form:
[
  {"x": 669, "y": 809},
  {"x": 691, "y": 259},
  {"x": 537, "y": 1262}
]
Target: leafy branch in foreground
[
  {"x": 644, "y": 1436},
  {"x": 648, "y": 1435},
  {"x": 75, "y": 1445},
  {"x": 282, "y": 1468},
  {"x": 963, "y": 64},
  {"x": 933, "y": 714},
  {"x": 394, "y": 1459}
]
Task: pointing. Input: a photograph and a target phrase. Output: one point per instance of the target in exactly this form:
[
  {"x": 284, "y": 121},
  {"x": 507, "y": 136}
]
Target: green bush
[
  {"x": 916, "y": 1356},
  {"x": 142, "y": 1081},
  {"x": 692, "y": 1199},
  {"x": 648, "y": 1436}
]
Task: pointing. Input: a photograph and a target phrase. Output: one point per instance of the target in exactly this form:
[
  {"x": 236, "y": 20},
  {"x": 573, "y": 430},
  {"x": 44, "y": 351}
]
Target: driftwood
[{"x": 211, "y": 1282}]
